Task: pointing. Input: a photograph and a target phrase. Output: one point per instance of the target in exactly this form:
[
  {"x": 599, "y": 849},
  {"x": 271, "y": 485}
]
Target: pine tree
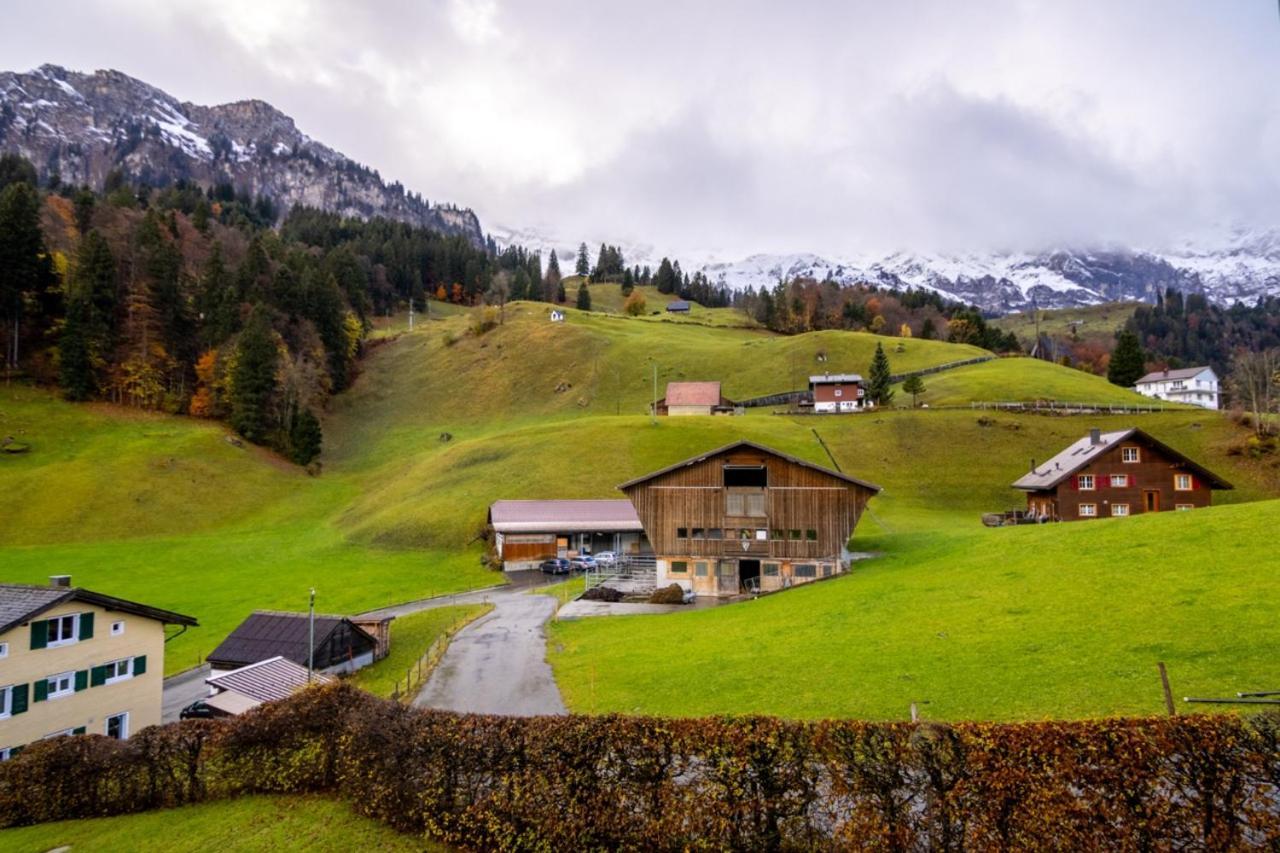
[
  {"x": 305, "y": 437},
  {"x": 928, "y": 331},
  {"x": 25, "y": 267},
  {"x": 880, "y": 381},
  {"x": 85, "y": 202},
  {"x": 914, "y": 386},
  {"x": 253, "y": 382},
  {"x": 583, "y": 266},
  {"x": 551, "y": 281},
  {"x": 1128, "y": 362},
  {"x": 561, "y": 296},
  {"x": 584, "y": 297},
  {"x": 76, "y": 364}
]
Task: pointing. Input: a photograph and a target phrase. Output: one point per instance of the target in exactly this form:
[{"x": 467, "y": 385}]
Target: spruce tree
[
  {"x": 880, "y": 381},
  {"x": 76, "y": 364},
  {"x": 561, "y": 296},
  {"x": 1128, "y": 362},
  {"x": 551, "y": 282},
  {"x": 583, "y": 266},
  {"x": 305, "y": 437},
  {"x": 584, "y": 297},
  {"x": 914, "y": 386},
  {"x": 24, "y": 261},
  {"x": 254, "y": 378}
]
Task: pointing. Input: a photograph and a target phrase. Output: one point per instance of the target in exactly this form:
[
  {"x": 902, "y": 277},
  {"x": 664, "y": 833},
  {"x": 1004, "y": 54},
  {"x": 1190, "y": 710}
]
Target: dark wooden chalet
[
  {"x": 744, "y": 517},
  {"x": 1116, "y": 474},
  {"x": 341, "y": 646}
]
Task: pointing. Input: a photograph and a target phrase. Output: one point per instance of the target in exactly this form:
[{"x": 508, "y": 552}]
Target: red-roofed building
[{"x": 694, "y": 398}]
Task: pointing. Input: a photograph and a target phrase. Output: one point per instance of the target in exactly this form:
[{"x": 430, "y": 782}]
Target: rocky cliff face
[{"x": 82, "y": 126}]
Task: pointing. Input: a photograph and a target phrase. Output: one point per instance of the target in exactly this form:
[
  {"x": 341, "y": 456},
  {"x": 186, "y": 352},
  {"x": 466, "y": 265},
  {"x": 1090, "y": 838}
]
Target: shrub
[{"x": 483, "y": 319}]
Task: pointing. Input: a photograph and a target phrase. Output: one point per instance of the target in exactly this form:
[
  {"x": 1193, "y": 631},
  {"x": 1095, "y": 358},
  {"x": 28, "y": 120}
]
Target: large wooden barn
[
  {"x": 745, "y": 517},
  {"x": 1116, "y": 474}
]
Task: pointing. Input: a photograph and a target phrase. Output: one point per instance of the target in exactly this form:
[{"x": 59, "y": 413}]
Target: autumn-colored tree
[
  {"x": 878, "y": 324},
  {"x": 459, "y": 297},
  {"x": 203, "y": 404},
  {"x": 904, "y": 331},
  {"x": 635, "y": 304},
  {"x": 441, "y": 295}
]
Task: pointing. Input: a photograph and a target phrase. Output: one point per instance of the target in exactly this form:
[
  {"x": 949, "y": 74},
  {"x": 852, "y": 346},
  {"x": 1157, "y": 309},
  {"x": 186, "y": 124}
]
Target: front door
[
  {"x": 749, "y": 575},
  {"x": 1151, "y": 501}
]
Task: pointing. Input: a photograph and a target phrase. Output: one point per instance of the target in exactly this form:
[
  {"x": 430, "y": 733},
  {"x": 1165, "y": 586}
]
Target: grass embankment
[
  {"x": 245, "y": 825},
  {"x": 1020, "y": 380},
  {"x": 1015, "y": 623},
  {"x": 411, "y": 637},
  {"x": 565, "y": 591}
]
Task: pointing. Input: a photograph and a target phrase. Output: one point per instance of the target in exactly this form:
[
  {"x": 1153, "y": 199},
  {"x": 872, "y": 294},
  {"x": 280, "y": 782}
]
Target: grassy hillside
[
  {"x": 246, "y": 825},
  {"x": 1089, "y": 321},
  {"x": 1020, "y": 380},
  {"x": 607, "y": 297}
]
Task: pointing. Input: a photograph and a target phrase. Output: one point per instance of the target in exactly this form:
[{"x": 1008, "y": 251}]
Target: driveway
[
  {"x": 181, "y": 690},
  {"x": 498, "y": 664}
]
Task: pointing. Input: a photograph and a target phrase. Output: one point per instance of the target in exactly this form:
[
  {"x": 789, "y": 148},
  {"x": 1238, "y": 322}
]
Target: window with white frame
[
  {"x": 4, "y": 650},
  {"x": 1119, "y": 509},
  {"x": 6, "y": 701},
  {"x": 62, "y": 684},
  {"x": 117, "y": 726},
  {"x": 118, "y": 670},
  {"x": 1130, "y": 454},
  {"x": 63, "y": 630},
  {"x": 1184, "y": 507},
  {"x": 1088, "y": 510},
  {"x": 1182, "y": 482},
  {"x": 117, "y": 628},
  {"x": 1119, "y": 481},
  {"x": 1085, "y": 482},
  {"x": 839, "y": 393}
]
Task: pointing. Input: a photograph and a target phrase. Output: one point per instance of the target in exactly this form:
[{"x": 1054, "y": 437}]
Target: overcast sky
[{"x": 737, "y": 127}]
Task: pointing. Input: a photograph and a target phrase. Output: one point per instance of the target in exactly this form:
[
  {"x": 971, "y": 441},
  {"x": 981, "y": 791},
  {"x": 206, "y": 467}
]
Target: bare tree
[
  {"x": 1255, "y": 381},
  {"x": 498, "y": 293}
]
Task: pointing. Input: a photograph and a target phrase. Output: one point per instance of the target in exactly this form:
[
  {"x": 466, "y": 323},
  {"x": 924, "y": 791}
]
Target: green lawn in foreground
[
  {"x": 411, "y": 637},
  {"x": 245, "y": 825},
  {"x": 1017, "y": 380},
  {"x": 1063, "y": 620}
]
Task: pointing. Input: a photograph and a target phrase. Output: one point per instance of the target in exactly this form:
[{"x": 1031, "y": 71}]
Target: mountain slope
[{"x": 80, "y": 127}]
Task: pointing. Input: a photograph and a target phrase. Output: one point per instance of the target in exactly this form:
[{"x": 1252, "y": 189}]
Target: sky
[{"x": 724, "y": 128}]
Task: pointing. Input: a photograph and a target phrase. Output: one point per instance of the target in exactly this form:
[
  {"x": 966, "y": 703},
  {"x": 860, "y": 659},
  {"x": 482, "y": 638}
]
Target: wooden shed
[{"x": 745, "y": 517}]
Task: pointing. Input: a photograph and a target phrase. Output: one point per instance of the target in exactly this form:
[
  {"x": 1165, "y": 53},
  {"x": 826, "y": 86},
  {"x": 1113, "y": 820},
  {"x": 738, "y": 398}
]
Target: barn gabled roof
[
  {"x": 268, "y": 633},
  {"x": 693, "y": 394},
  {"x": 1049, "y": 474},
  {"x": 563, "y": 516},
  {"x": 703, "y": 457},
  {"x": 23, "y": 602}
]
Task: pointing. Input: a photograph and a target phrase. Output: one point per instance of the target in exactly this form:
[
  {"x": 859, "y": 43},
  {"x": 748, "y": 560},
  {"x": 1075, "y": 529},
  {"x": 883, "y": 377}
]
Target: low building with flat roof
[{"x": 528, "y": 532}]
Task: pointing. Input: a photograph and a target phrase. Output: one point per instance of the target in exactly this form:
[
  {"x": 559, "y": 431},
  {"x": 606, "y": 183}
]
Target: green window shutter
[
  {"x": 18, "y": 701},
  {"x": 139, "y": 664},
  {"x": 17, "y": 750},
  {"x": 39, "y": 634},
  {"x": 42, "y": 690},
  {"x": 97, "y": 676},
  {"x": 78, "y": 730},
  {"x": 82, "y": 680},
  {"x": 86, "y": 626}
]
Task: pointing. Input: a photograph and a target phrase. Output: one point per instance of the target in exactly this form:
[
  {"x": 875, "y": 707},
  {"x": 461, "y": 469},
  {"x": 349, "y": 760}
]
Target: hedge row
[{"x": 754, "y": 783}]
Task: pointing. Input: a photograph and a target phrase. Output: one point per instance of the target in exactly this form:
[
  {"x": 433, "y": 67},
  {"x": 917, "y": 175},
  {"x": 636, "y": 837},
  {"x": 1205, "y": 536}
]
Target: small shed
[
  {"x": 678, "y": 306},
  {"x": 694, "y": 398},
  {"x": 340, "y": 645},
  {"x": 557, "y": 316}
]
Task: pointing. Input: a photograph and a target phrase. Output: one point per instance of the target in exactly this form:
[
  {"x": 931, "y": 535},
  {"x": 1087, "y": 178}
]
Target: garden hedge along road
[{"x": 498, "y": 664}]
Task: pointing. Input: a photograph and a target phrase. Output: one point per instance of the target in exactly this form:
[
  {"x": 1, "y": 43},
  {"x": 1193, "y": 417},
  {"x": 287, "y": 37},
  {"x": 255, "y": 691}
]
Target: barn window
[
  {"x": 682, "y": 533},
  {"x": 811, "y": 535},
  {"x": 755, "y": 504},
  {"x": 735, "y": 503},
  {"x": 1130, "y": 454},
  {"x": 715, "y": 533},
  {"x": 679, "y": 567},
  {"x": 1182, "y": 482},
  {"x": 727, "y": 570},
  {"x": 744, "y": 533},
  {"x": 770, "y": 570},
  {"x": 793, "y": 535},
  {"x": 777, "y": 534},
  {"x": 699, "y": 533},
  {"x": 805, "y": 570},
  {"x": 746, "y": 476}
]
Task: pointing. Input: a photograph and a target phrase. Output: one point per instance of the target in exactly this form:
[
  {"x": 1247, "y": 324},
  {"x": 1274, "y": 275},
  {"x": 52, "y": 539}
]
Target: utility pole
[{"x": 311, "y": 630}]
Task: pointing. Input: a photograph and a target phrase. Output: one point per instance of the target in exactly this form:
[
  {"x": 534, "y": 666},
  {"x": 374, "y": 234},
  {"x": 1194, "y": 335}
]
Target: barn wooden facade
[
  {"x": 1116, "y": 474},
  {"x": 745, "y": 517}
]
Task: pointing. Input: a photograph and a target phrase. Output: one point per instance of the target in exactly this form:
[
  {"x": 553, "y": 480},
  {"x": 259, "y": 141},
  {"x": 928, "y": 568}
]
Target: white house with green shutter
[{"x": 74, "y": 661}]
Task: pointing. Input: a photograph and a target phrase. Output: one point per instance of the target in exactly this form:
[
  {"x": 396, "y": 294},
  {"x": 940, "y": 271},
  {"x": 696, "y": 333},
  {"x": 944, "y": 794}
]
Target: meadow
[{"x": 442, "y": 422}]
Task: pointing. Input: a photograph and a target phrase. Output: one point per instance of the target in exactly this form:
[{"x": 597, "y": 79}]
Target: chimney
[
  {"x": 1095, "y": 437},
  {"x": 63, "y": 581}
]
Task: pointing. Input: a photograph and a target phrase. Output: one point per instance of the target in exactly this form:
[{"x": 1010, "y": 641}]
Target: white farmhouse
[{"x": 1195, "y": 385}]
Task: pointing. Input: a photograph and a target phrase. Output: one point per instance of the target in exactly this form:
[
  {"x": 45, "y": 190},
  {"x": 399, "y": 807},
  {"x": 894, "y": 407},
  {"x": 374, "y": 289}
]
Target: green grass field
[
  {"x": 441, "y": 423},
  {"x": 1019, "y": 380},
  {"x": 411, "y": 637},
  {"x": 246, "y": 825}
]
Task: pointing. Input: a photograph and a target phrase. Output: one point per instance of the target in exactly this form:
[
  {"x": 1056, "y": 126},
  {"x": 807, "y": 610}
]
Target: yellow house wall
[
  {"x": 679, "y": 411},
  {"x": 140, "y": 696}
]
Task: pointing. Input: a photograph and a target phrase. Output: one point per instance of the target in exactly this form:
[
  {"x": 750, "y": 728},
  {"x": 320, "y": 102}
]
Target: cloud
[{"x": 740, "y": 126}]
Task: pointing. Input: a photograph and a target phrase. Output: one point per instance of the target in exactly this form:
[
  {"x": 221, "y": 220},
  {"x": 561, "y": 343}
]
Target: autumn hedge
[{"x": 751, "y": 783}]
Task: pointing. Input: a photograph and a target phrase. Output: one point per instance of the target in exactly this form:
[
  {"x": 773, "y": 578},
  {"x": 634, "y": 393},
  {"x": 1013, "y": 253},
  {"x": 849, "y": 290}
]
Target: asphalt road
[
  {"x": 181, "y": 690},
  {"x": 498, "y": 664}
]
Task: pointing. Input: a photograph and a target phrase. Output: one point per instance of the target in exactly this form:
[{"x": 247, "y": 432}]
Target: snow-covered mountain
[{"x": 80, "y": 127}]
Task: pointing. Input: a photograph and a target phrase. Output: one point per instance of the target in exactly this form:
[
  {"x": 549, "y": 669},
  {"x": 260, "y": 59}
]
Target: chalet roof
[
  {"x": 267, "y": 680},
  {"x": 693, "y": 394},
  {"x": 563, "y": 516},
  {"x": 703, "y": 457},
  {"x": 1080, "y": 453},
  {"x": 268, "y": 633},
  {"x": 1164, "y": 375},
  {"x": 23, "y": 602},
  {"x": 835, "y": 378}
]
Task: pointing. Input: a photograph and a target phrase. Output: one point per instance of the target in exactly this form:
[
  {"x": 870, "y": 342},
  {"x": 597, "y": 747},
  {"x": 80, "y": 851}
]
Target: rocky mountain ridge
[{"x": 80, "y": 127}]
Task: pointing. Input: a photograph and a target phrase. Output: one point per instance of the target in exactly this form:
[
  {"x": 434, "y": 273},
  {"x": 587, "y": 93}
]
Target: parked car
[
  {"x": 582, "y": 562},
  {"x": 555, "y": 566},
  {"x": 608, "y": 559},
  {"x": 197, "y": 710}
]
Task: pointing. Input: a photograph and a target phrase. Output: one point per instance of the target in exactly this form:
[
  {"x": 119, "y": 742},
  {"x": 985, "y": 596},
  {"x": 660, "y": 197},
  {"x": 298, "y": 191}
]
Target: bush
[
  {"x": 484, "y": 319},
  {"x": 673, "y": 594},
  {"x": 745, "y": 783}
]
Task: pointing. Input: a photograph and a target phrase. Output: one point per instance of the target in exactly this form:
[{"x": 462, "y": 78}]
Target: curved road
[{"x": 498, "y": 663}]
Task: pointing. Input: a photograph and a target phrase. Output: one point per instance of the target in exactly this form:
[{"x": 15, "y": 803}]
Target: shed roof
[
  {"x": 267, "y": 680},
  {"x": 269, "y": 633},
  {"x": 1083, "y": 451},
  {"x": 231, "y": 702},
  {"x": 677, "y": 305},
  {"x": 703, "y": 457},
  {"x": 693, "y": 394},
  {"x": 834, "y": 378},
  {"x": 563, "y": 516},
  {"x": 1164, "y": 375},
  {"x": 23, "y": 602}
]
